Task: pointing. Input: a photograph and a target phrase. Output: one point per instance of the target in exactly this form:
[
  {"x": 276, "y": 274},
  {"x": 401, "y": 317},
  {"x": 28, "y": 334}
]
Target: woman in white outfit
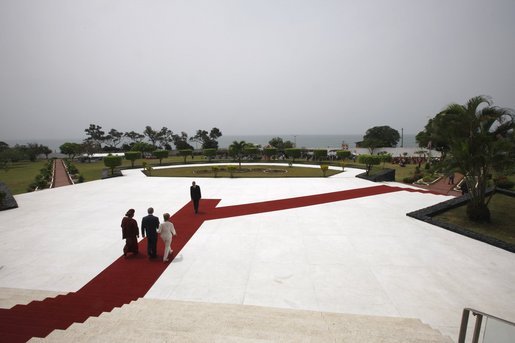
[{"x": 166, "y": 230}]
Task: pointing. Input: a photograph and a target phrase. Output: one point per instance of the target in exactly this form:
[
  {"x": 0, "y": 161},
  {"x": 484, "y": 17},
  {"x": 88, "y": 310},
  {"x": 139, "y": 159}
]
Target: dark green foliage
[
  {"x": 379, "y": 137},
  {"x": 208, "y": 140},
  {"x": 152, "y": 135},
  {"x": 293, "y": 153},
  {"x": 343, "y": 154},
  {"x": 113, "y": 139},
  {"x": 319, "y": 154},
  {"x": 270, "y": 152},
  {"x": 43, "y": 179},
  {"x": 160, "y": 154},
  {"x": 504, "y": 182},
  {"x": 369, "y": 161},
  {"x": 134, "y": 136},
  {"x": 210, "y": 153},
  {"x": 70, "y": 149},
  {"x": 436, "y": 134},
  {"x": 385, "y": 158},
  {"x": 280, "y": 145},
  {"x": 72, "y": 169},
  {"x": 181, "y": 141},
  {"x": 112, "y": 162},
  {"x": 143, "y": 147},
  {"x": 132, "y": 156},
  {"x": 12, "y": 155},
  {"x": 185, "y": 153},
  {"x": 251, "y": 151},
  {"x": 95, "y": 135},
  {"x": 480, "y": 142},
  {"x": 236, "y": 150}
]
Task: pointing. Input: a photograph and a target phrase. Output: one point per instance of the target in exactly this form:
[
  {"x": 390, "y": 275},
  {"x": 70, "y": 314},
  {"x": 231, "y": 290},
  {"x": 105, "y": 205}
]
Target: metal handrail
[{"x": 477, "y": 327}]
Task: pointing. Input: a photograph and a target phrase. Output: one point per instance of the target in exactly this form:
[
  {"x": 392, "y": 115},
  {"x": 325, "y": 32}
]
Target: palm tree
[
  {"x": 236, "y": 149},
  {"x": 479, "y": 144}
]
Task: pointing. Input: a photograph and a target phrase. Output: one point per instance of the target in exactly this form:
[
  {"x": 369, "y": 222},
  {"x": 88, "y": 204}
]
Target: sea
[{"x": 315, "y": 141}]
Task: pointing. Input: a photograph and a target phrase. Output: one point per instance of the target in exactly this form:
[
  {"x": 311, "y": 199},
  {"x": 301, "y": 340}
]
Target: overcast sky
[{"x": 247, "y": 67}]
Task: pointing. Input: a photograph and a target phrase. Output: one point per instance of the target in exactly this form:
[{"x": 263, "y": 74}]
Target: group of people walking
[{"x": 151, "y": 227}]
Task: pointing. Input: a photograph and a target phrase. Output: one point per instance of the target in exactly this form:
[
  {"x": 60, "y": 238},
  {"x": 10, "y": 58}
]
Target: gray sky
[{"x": 247, "y": 67}]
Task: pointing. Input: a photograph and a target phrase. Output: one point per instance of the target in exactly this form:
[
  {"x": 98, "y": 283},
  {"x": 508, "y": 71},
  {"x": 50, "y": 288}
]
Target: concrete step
[
  {"x": 152, "y": 320},
  {"x": 10, "y": 297}
]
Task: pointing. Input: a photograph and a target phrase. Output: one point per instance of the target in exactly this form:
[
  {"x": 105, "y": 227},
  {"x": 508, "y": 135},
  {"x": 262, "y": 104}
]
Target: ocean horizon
[{"x": 319, "y": 141}]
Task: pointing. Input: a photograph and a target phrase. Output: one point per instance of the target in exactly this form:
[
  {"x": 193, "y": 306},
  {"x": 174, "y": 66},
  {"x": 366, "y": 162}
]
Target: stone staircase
[
  {"x": 10, "y": 297},
  {"x": 149, "y": 320}
]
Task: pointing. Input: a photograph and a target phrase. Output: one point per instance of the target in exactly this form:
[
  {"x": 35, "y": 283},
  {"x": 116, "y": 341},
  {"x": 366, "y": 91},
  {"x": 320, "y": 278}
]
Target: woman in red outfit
[{"x": 130, "y": 232}]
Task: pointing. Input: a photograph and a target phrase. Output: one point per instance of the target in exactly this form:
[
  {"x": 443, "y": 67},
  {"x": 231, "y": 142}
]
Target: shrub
[
  {"x": 210, "y": 153},
  {"x": 428, "y": 178},
  {"x": 320, "y": 154},
  {"x": 215, "y": 170},
  {"x": 324, "y": 168},
  {"x": 72, "y": 169},
  {"x": 251, "y": 151},
  {"x": 112, "y": 162},
  {"x": 269, "y": 152},
  {"x": 503, "y": 182},
  {"x": 369, "y": 161},
  {"x": 32, "y": 187},
  {"x": 148, "y": 168},
  {"x": 132, "y": 156},
  {"x": 343, "y": 154},
  {"x": 409, "y": 179},
  {"x": 293, "y": 153},
  {"x": 385, "y": 158},
  {"x": 231, "y": 170},
  {"x": 185, "y": 153},
  {"x": 160, "y": 154}
]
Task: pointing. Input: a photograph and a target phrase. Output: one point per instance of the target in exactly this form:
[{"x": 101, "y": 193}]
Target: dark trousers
[
  {"x": 195, "y": 204},
  {"x": 152, "y": 245}
]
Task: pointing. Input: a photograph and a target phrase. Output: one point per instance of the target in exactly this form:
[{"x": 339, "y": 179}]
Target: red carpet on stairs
[{"x": 128, "y": 279}]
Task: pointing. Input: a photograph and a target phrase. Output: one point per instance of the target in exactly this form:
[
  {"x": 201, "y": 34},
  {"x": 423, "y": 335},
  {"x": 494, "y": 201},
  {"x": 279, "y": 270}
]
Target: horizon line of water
[{"x": 301, "y": 141}]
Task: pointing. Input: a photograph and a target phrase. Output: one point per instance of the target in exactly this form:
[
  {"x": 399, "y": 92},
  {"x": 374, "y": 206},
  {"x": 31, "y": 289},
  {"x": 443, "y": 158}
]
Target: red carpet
[{"x": 126, "y": 280}]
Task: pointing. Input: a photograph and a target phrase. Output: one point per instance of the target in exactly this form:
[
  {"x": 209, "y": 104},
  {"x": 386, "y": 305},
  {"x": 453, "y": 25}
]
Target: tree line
[
  {"x": 475, "y": 139},
  {"x": 97, "y": 140},
  {"x": 22, "y": 152}
]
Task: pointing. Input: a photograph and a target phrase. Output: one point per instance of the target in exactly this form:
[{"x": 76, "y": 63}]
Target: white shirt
[{"x": 166, "y": 230}]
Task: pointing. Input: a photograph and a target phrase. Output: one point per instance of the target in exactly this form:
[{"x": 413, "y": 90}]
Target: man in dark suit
[
  {"x": 149, "y": 225},
  {"x": 195, "y": 195}
]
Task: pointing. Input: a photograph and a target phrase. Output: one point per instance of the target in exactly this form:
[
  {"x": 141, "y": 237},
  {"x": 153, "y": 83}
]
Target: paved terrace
[{"x": 358, "y": 256}]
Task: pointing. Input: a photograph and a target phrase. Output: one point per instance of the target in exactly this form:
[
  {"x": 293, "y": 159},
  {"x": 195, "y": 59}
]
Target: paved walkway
[
  {"x": 442, "y": 186},
  {"x": 359, "y": 256},
  {"x": 61, "y": 177}
]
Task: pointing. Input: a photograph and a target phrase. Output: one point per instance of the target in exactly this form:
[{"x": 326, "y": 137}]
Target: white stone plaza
[{"x": 357, "y": 256}]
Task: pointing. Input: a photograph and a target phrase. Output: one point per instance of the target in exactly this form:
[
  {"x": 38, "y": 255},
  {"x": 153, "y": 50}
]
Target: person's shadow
[{"x": 177, "y": 259}]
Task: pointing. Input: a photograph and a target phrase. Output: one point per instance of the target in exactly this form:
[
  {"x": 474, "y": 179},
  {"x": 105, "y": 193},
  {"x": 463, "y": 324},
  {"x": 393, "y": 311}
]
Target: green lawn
[
  {"x": 20, "y": 175},
  {"x": 246, "y": 171},
  {"x": 502, "y": 219}
]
